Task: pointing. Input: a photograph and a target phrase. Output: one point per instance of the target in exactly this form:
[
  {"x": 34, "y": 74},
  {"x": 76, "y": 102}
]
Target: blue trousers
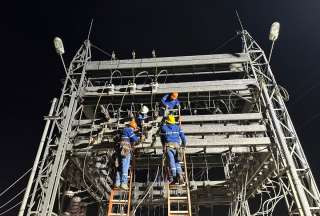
[
  {"x": 175, "y": 166},
  {"x": 122, "y": 170}
]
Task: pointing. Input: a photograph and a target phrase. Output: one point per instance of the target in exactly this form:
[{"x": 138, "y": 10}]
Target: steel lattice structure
[{"x": 243, "y": 152}]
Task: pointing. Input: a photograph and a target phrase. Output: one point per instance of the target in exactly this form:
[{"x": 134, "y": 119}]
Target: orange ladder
[
  {"x": 179, "y": 200},
  {"x": 120, "y": 200}
]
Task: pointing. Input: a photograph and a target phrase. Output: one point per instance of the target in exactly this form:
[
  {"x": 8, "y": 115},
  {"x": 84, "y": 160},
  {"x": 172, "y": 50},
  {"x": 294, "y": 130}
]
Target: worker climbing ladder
[
  {"x": 179, "y": 200},
  {"x": 120, "y": 200}
]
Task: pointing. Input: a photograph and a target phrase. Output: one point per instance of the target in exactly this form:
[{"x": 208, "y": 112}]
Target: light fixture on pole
[
  {"x": 58, "y": 45},
  {"x": 273, "y": 36}
]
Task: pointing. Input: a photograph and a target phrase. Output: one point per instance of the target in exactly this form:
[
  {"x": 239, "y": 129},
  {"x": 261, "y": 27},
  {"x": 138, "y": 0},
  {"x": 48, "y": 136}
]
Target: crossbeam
[{"x": 167, "y": 61}]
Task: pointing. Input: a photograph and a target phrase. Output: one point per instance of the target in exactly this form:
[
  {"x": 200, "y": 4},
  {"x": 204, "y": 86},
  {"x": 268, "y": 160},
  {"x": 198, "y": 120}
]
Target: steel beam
[{"x": 167, "y": 61}]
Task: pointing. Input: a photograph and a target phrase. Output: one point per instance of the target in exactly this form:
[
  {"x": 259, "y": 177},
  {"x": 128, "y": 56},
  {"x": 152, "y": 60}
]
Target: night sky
[{"x": 31, "y": 71}]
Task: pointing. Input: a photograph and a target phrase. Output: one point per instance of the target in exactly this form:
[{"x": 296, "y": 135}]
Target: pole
[
  {"x": 297, "y": 185},
  {"x": 37, "y": 159}
]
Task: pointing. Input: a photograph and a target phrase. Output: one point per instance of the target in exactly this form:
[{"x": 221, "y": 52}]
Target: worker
[
  {"x": 172, "y": 138},
  {"x": 168, "y": 102},
  {"x": 142, "y": 117},
  {"x": 128, "y": 139}
]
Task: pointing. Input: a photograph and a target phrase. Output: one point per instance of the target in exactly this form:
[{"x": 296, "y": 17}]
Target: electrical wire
[
  {"x": 14, "y": 183},
  {"x": 101, "y": 50},
  {"x": 148, "y": 191},
  {"x": 91, "y": 131},
  {"x": 225, "y": 43},
  {"x": 13, "y": 198},
  {"x": 13, "y": 207}
]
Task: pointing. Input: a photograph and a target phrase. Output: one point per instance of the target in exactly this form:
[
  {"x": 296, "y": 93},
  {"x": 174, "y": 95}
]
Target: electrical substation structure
[{"x": 242, "y": 157}]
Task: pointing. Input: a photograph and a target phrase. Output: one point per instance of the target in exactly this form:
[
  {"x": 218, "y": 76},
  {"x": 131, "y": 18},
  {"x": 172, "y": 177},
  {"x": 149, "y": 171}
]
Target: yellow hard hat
[
  {"x": 133, "y": 124},
  {"x": 171, "y": 119}
]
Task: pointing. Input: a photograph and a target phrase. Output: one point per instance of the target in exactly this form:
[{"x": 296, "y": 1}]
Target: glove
[{"x": 143, "y": 138}]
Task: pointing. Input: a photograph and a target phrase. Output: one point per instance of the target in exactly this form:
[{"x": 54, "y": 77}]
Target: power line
[{"x": 21, "y": 177}]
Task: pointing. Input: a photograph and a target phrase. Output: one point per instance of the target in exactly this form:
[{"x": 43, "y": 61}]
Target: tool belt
[
  {"x": 176, "y": 146},
  {"x": 125, "y": 148}
]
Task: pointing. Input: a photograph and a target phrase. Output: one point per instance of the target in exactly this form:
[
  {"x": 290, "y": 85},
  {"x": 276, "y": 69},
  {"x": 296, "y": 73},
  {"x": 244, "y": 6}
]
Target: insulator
[
  {"x": 110, "y": 88},
  {"x": 58, "y": 44},
  {"x": 132, "y": 87},
  {"x": 154, "y": 86},
  {"x": 75, "y": 206},
  {"x": 153, "y": 53},
  {"x": 274, "y": 31},
  {"x": 133, "y": 54},
  {"x": 69, "y": 193}
]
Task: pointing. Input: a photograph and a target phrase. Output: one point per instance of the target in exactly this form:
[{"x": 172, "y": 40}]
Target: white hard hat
[{"x": 144, "y": 110}]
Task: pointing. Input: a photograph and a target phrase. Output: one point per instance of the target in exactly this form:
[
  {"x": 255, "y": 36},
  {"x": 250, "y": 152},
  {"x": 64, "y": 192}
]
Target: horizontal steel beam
[
  {"x": 220, "y": 128},
  {"x": 213, "y": 142},
  {"x": 221, "y": 117},
  {"x": 167, "y": 61},
  {"x": 183, "y": 87}
]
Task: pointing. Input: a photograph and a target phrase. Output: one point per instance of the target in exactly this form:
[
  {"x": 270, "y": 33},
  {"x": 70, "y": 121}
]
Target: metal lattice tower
[{"x": 243, "y": 152}]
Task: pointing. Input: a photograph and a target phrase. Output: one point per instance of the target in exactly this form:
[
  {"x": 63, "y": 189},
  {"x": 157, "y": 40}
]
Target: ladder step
[
  {"x": 179, "y": 212},
  {"x": 119, "y": 201},
  {"x": 178, "y": 198},
  {"x": 176, "y": 187}
]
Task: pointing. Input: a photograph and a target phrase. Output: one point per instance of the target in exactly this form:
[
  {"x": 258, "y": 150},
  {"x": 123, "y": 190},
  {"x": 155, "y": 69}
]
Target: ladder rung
[
  {"x": 178, "y": 198},
  {"x": 119, "y": 201},
  {"x": 176, "y": 187},
  {"x": 179, "y": 212}
]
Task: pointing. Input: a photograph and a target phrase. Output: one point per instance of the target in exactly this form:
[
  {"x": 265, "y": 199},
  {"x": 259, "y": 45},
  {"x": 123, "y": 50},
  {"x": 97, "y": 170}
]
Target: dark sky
[{"x": 31, "y": 71}]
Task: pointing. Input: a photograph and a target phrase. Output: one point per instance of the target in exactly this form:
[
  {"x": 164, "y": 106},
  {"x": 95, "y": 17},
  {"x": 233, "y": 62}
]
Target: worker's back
[
  {"x": 172, "y": 133},
  {"x": 129, "y": 135}
]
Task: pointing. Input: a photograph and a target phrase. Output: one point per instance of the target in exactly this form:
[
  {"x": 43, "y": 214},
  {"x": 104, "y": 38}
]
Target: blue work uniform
[
  {"x": 129, "y": 136},
  {"x": 168, "y": 102},
  {"x": 172, "y": 135},
  {"x": 141, "y": 119}
]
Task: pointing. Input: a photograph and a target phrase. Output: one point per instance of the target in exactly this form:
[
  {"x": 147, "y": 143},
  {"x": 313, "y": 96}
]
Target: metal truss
[
  {"x": 41, "y": 193},
  {"x": 233, "y": 114},
  {"x": 294, "y": 176}
]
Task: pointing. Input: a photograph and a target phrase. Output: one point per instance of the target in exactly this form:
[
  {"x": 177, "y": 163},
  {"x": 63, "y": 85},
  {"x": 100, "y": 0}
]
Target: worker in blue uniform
[
  {"x": 168, "y": 102},
  {"x": 172, "y": 138},
  {"x": 142, "y": 120},
  {"x": 128, "y": 138},
  {"x": 142, "y": 117}
]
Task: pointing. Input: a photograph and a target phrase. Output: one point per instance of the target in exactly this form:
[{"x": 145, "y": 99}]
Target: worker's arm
[
  {"x": 133, "y": 137},
  {"x": 182, "y": 137},
  {"x": 177, "y": 103},
  {"x": 164, "y": 99}
]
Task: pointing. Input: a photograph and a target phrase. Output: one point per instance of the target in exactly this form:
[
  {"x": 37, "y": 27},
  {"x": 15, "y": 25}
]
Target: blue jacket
[
  {"x": 172, "y": 133},
  {"x": 168, "y": 102},
  {"x": 129, "y": 135},
  {"x": 142, "y": 117}
]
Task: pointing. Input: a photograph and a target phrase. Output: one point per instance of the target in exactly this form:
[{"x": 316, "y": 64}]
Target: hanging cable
[
  {"x": 148, "y": 191},
  {"x": 101, "y": 50},
  {"x": 14, "y": 183},
  {"x": 225, "y": 43}
]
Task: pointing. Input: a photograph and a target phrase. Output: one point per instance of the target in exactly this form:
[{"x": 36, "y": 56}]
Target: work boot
[
  {"x": 117, "y": 186},
  {"x": 124, "y": 186},
  {"x": 181, "y": 179},
  {"x": 173, "y": 180}
]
